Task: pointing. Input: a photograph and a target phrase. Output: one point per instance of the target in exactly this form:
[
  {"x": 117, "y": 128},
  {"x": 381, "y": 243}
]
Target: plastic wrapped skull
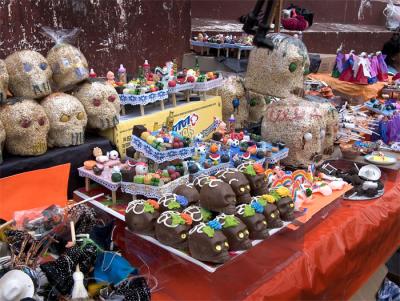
[
  {"x": 29, "y": 74},
  {"x": 2, "y": 140},
  {"x": 101, "y": 102},
  {"x": 3, "y": 81},
  {"x": 67, "y": 118},
  {"x": 267, "y": 69},
  {"x": 26, "y": 126}
]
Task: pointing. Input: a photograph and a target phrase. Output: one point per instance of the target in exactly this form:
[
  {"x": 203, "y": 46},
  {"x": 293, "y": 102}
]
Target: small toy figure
[
  {"x": 236, "y": 104},
  {"x": 110, "y": 78},
  {"x": 141, "y": 168}
]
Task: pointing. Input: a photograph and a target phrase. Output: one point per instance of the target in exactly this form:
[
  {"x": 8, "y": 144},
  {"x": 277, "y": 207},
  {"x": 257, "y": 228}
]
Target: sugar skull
[
  {"x": 29, "y": 74},
  {"x": 258, "y": 181},
  {"x": 26, "y": 126},
  {"x": 254, "y": 220},
  {"x": 328, "y": 135},
  {"x": 189, "y": 192},
  {"x": 297, "y": 123},
  {"x": 172, "y": 229},
  {"x": 239, "y": 183},
  {"x": 68, "y": 64},
  {"x": 286, "y": 208},
  {"x": 200, "y": 181},
  {"x": 172, "y": 201},
  {"x": 271, "y": 213},
  {"x": 236, "y": 232},
  {"x": 208, "y": 244},
  {"x": 67, "y": 118},
  {"x": 3, "y": 81},
  {"x": 198, "y": 214},
  {"x": 2, "y": 140},
  {"x": 101, "y": 103},
  {"x": 141, "y": 216},
  {"x": 287, "y": 63},
  {"x": 218, "y": 196}
]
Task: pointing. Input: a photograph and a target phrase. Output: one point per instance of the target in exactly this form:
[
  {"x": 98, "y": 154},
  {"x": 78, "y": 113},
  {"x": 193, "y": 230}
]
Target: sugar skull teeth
[
  {"x": 77, "y": 138},
  {"x": 41, "y": 89}
]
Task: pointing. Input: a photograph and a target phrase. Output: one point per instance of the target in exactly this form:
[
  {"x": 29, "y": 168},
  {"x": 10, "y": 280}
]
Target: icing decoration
[
  {"x": 182, "y": 200},
  {"x": 269, "y": 198},
  {"x": 148, "y": 207},
  {"x": 177, "y": 219},
  {"x": 214, "y": 224},
  {"x": 283, "y": 191},
  {"x": 287, "y": 180},
  {"x": 261, "y": 200},
  {"x": 257, "y": 207},
  {"x": 275, "y": 195},
  {"x": 248, "y": 211},
  {"x": 187, "y": 218},
  {"x": 230, "y": 221},
  {"x": 173, "y": 205},
  {"x": 269, "y": 174},
  {"x": 250, "y": 170},
  {"x": 258, "y": 168},
  {"x": 299, "y": 175},
  {"x": 205, "y": 214},
  {"x": 209, "y": 231},
  {"x": 308, "y": 192},
  {"x": 153, "y": 203}
]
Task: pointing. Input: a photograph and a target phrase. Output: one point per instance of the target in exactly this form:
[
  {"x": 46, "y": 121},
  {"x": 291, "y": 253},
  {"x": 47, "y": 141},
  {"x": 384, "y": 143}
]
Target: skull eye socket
[
  {"x": 292, "y": 67},
  {"x": 27, "y": 67},
  {"x": 64, "y": 118},
  {"x": 43, "y": 66},
  {"x": 240, "y": 235},
  {"x": 242, "y": 189},
  {"x": 80, "y": 116},
  {"x": 96, "y": 102},
  {"x": 218, "y": 248},
  {"x": 25, "y": 123},
  {"x": 183, "y": 236},
  {"x": 111, "y": 98},
  {"x": 41, "y": 121}
]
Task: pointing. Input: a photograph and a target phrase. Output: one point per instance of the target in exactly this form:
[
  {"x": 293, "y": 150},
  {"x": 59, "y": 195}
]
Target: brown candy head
[
  {"x": 218, "y": 196},
  {"x": 200, "y": 181},
  {"x": 141, "y": 216},
  {"x": 68, "y": 64},
  {"x": 26, "y": 125},
  {"x": 4, "y": 78},
  {"x": 101, "y": 102},
  {"x": 29, "y": 74},
  {"x": 255, "y": 222},
  {"x": 207, "y": 244},
  {"x": 272, "y": 216},
  {"x": 236, "y": 232},
  {"x": 189, "y": 192},
  {"x": 67, "y": 118},
  {"x": 239, "y": 183},
  {"x": 170, "y": 201},
  {"x": 172, "y": 230},
  {"x": 197, "y": 214},
  {"x": 286, "y": 208}
]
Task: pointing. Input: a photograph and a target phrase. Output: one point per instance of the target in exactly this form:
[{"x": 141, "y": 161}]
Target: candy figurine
[
  {"x": 141, "y": 216},
  {"x": 255, "y": 221},
  {"x": 92, "y": 74},
  {"x": 172, "y": 229},
  {"x": 236, "y": 232},
  {"x": 110, "y": 77}
]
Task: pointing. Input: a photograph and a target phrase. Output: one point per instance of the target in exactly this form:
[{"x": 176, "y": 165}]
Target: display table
[
  {"x": 328, "y": 258},
  {"x": 355, "y": 91}
]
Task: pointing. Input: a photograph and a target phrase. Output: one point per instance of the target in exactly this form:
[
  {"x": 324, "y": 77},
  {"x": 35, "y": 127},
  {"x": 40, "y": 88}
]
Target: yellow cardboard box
[{"x": 190, "y": 119}]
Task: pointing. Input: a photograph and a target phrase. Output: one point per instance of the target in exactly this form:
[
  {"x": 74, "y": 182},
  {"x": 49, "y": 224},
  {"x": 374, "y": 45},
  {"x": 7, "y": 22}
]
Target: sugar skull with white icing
[
  {"x": 236, "y": 232},
  {"x": 238, "y": 182},
  {"x": 4, "y": 78},
  {"x": 67, "y": 118},
  {"x": 172, "y": 229},
  {"x": 101, "y": 102},
  {"x": 189, "y": 192},
  {"x": 254, "y": 220},
  {"x": 197, "y": 214},
  {"x": 141, "y": 216},
  {"x": 29, "y": 74},
  {"x": 218, "y": 196},
  {"x": 26, "y": 125},
  {"x": 172, "y": 201}
]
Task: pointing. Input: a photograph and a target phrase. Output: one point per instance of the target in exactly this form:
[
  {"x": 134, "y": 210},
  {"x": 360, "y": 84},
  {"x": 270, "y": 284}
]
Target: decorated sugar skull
[
  {"x": 286, "y": 208},
  {"x": 198, "y": 214},
  {"x": 208, "y": 244},
  {"x": 253, "y": 218},
  {"x": 141, "y": 216},
  {"x": 3, "y": 81},
  {"x": 113, "y": 155},
  {"x": 236, "y": 232},
  {"x": 172, "y": 229},
  {"x": 328, "y": 135},
  {"x": 26, "y": 125},
  {"x": 67, "y": 119},
  {"x": 172, "y": 201},
  {"x": 238, "y": 182},
  {"x": 287, "y": 63},
  {"x": 69, "y": 65},
  {"x": 258, "y": 181},
  {"x": 297, "y": 123},
  {"x": 271, "y": 211},
  {"x": 218, "y": 196},
  {"x": 2, "y": 140},
  {"x": 101, "y": 103},
  {"x": 189, "y": 192},
  {"x": 200, "y": 181},
  {"x": 29, "y": 74}
]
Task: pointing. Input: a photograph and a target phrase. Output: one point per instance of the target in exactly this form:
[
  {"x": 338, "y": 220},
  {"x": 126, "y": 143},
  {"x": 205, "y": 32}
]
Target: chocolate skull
[
  {"x": 200, "y": 181},
  {"x": 141, "y": 216},
  {"x": 239, "y": 183},
  {"x": 29, "y": 74},
  {"x": 2, "y": 140},
  {"x": 4, "y": 78},
  {"x": 255, "y": 221},
  {"x": 286, "y": 208},
  {"x": 26, "y": 126},
  {"x": 197, "y": 214},
  {"x": 236, "y": 232},
  {"x": 67, "y": 118},
  {"x": 68, "y": 64},
  {"x": 207, "y": 244},
  {"x": 271, "y": 214},
  {"x": 172, "y": 201},
  {"x": 172, "y": 230},
  {"x": 218, "y": 196},
  {"x": 189, "y": 192},
  {"x": 101, "y": 103}
]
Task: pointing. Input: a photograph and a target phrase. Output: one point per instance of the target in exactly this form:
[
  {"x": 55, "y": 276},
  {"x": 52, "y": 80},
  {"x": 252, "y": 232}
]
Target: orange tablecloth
[
  {"x": 363, "y": 92},
  {"x": 329, "y": 258}
]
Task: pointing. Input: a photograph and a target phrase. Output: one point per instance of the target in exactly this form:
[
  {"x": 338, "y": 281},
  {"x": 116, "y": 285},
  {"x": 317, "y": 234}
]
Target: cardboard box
[
  {"x": 327, "y": 62},
  {"x": 189, "y": 119}
]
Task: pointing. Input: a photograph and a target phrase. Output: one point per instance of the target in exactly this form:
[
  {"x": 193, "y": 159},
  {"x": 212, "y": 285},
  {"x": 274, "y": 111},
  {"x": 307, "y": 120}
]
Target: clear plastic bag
[{"x": 392, "y": 14}]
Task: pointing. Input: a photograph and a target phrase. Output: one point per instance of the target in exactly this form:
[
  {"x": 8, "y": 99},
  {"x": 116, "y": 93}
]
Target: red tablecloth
[{"x": 329, "y": 258}]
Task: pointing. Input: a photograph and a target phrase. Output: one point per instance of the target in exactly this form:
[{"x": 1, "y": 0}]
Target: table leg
[
  {"x": 218, "y": 52},
  {"x": 162, "y": 104},
  {"x": 114, "y": 197},
  {"x": 122, "y": 110},
  {"x": 239, "y": 53},
  {"x": 142, "y": 110},
  {"x": 174, "y": 99},
  {"x": 227, "y": 52},
  {"x": 187, "y": 95},
  {"x": 133, "y": 197},
  {"x": 204, "y": 95},
  {"x": 87, "y": 184},
  {"x": 208, "y": 50}
]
